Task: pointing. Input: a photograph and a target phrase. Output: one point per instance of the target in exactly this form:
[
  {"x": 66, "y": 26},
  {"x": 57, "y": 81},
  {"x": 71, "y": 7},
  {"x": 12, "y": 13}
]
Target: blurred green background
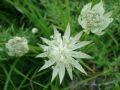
[{"x": 18, "y": 17}]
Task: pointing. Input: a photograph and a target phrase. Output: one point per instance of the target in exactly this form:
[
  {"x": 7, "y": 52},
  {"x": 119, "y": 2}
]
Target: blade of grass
[
  {"x": 114, "y": 39},
  {"x": 67, "y": 13},
  {"x": 5, "y": 18},
  {"x": 86, "y": 66},
  {"x": 9, "y": 74},
  {"x": 72, "y": 87},
  {"x": 18, "y": 72},
  {"x": 24, "y": 79},
  {"x": 6, "y": 73},
  {"x": 32, "y": 13}
]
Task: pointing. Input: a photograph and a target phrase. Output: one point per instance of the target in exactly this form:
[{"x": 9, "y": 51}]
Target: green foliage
[{"x": 18, "y": 17}]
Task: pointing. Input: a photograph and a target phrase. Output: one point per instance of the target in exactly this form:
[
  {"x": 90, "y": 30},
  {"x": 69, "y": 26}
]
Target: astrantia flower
[
  {"x": 17, "y": 46},
  {"x": 93, "y": 19},
  {"x": 63, "y": 54}
]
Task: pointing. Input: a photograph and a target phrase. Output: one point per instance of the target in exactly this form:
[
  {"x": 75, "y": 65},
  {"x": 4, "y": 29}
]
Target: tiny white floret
[
  {"x": 17, "y": 46},
  {"x": 34, "y": 30}
]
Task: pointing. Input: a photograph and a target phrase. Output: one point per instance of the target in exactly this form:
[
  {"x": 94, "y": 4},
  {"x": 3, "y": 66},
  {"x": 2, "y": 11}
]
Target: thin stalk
[
  {"x": 72, "y": 87},
  {"x": 21, "y": 74},
  {"x": 9, "y": 74}
]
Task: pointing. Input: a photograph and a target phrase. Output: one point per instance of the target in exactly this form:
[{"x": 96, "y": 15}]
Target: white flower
[
  {"x": 62, "y": 53},
  {"x": 17, "y": 46},
  {"x": 34, "y": 30},
  {"x": 93, "y": 19}
]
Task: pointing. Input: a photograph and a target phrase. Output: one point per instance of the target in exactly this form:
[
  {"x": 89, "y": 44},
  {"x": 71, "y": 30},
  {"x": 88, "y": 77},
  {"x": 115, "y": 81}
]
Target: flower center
[
  {"x": 93, "y": 19},
  {"x": 58, "y": 52}
]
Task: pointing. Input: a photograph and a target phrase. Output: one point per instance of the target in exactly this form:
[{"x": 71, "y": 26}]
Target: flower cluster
[
  {"x": 17, "y": 46},
  {"x": 93, "y": 19},
  {"x": 62, "y": 53}
]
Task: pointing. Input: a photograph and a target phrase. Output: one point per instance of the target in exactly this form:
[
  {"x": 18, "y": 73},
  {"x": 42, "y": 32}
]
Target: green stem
[
  {"x": 72, "y": 87},
  {"x": 84, "y": 36},
  {"x": 21, "y": 74},
  {"x": 23, "y": 81},
  {"x": 6, "y": 73},
  {"x": 9, "y": 75},
  {"x": 86, "y": 66},
  {"x": 68, "y": 12},
  {"x": 116, "y": 11}
]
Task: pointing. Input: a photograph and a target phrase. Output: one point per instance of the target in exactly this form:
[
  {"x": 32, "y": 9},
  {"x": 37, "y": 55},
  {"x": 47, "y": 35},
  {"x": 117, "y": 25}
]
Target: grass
[{"x": 18, "y": 17}]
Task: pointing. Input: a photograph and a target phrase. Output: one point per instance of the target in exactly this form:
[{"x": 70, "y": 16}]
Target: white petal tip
[
  {"x": 85, "y": 73},
  {"x": 60, "y": 82},
  {"x": 71, "y": 78},
  {"x": 40, "y": 70},
  {"x": 36, "y": 57},
  {"x": 41, "y": 38},
  {"x": 52, "y": 80},
  {"x": 91, "y": 57}
]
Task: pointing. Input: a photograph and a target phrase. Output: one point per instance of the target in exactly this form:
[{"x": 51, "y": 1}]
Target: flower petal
[
  {"x": 69, "y": 70},
  {"x": 44, "y": 47},
  {"x": 106, "y": 21},
  {"x": 99, "y": 8},
  {"x": 47, "y": 64},
  {"x": 46, "y": 41},
  {"x": 67, "y": 32},
  {"x": 104, "y": 24},
  {"x": 109, "y": 14},
  {"x": 82, "y": 21},
  {"x": 96, "y": 30},
  {"x": 61, "y": 72},
  {"x": 56, "y": 33},
  {"x": 55, "y": 72},
  {"x": 42, "y": 55},
  {"x": 78, "y": 66},
  {"x": 80, "y": 54},
  {"x": 99, "y": 33},
  {"x": 81, "y": 44},
  {"x": 86, "y": 9},
  {"x": 77, "y": 37}
]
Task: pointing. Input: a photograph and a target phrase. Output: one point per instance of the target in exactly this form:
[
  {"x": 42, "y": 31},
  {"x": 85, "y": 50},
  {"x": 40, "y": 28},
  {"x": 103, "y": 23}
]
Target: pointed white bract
[
  {"x": 93, "y": 19},
  {"x": 69, "y": 70},
  {"x": 63, "y": 54},
  {"x": 61, "y": 72},
  {"x": 55, "y": 72}
]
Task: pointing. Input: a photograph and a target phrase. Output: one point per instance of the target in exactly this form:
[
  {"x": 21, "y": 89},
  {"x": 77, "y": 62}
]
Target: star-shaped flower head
[
  {"x": 63, "y": 53},
  {"x": 93, "y": 19},
  {"x": 17, "y": 46}
]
